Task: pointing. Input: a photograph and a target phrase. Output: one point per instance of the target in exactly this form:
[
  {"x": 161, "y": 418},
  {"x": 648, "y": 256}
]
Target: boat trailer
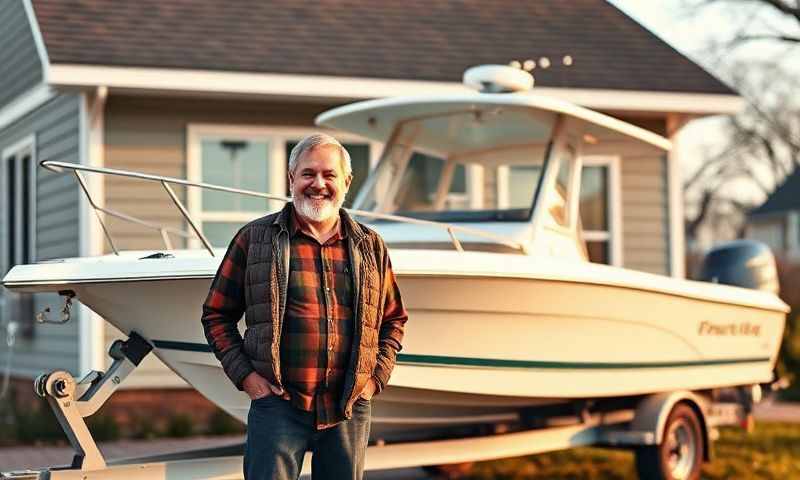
[{"x": 643, "y": 429}]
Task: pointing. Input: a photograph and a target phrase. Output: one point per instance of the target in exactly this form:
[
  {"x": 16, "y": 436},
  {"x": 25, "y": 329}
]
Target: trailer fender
[{"x": 652, "y": 412}]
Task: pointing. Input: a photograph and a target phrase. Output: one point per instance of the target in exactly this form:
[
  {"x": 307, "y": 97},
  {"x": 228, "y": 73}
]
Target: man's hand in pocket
[{"x": 257, "y": 386}]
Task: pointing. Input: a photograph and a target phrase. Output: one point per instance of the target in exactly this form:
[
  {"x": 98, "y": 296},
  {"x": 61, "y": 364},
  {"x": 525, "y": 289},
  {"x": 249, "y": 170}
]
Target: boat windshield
[{"x": 460, "y": 168}]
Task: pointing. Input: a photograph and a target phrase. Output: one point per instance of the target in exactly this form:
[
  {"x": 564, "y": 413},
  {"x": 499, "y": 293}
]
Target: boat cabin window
[
  {"x": 461, "y": 167},
  {"x": 429, "y": 183},
  {"x": 557, "y": 205}
]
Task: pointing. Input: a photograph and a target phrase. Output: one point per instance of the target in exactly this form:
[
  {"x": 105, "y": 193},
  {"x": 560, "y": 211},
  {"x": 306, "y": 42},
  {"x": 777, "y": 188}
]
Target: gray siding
[
  {"x": 56, "y": 125},
  {"x": 20, "y": 66}
]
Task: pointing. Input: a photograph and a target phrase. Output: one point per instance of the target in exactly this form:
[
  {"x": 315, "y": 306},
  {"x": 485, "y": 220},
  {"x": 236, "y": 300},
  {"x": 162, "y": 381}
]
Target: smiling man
[{"x": 324, "y": 323}]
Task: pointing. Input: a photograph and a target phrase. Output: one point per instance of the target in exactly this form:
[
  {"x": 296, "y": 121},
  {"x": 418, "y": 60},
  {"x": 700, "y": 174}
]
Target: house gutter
[{"x": 165, "y": 81}]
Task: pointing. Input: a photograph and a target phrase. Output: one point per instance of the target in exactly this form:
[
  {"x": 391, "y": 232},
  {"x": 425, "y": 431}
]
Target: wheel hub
[{"x": 682, "y": 449}]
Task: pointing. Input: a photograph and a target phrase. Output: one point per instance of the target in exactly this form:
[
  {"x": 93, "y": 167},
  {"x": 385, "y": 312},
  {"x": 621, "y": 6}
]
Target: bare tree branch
[
  {"x": 785, "y": 8},
  {"x": 763, "y": 141},
  {"x": 779, "y": 38}
]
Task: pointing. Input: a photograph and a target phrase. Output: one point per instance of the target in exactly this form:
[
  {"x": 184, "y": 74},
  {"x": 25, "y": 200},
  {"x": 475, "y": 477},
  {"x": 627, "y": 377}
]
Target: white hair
[{"x": 316, "y": 140}]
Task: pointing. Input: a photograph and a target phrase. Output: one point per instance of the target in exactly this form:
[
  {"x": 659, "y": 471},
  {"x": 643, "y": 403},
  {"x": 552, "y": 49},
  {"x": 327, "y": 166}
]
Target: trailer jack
[{"x": 73, "y": 401}]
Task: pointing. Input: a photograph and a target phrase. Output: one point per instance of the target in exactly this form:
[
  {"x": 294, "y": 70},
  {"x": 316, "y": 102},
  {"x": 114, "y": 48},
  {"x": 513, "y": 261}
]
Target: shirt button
[{"x": 327, "y": 289}]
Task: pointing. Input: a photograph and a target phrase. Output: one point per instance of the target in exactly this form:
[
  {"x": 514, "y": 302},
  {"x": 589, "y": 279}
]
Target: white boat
[{"x": 507, "y": 315}]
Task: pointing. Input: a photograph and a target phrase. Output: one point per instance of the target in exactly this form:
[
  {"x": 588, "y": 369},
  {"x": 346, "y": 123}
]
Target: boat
[{"x": 509, "y": 320}]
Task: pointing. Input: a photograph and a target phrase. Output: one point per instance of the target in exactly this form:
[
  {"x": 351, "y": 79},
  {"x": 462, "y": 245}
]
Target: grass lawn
[{"x": 772, "y": 451}]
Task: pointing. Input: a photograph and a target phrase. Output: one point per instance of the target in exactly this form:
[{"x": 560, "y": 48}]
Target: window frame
[
  {"x": 18, "y": 151},
  {"x": 614, "y": 198},
  {"x": 19, "y": 307},
  {"x": 277, "y": 137}
]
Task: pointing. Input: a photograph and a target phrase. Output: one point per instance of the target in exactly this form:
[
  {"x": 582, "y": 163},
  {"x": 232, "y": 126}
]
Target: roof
[
  {"x": 786, "y": 197},
  {"x": 363, "y": 38}
]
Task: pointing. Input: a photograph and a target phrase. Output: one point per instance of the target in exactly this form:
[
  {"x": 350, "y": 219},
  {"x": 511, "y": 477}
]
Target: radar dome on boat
[{"x": 498, "y": 79}]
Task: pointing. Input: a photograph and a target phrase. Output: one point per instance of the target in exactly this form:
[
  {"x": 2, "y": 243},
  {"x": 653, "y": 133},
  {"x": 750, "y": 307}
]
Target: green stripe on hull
[
  {"x": 469, "y": 362},
  {"x": 435, "y": 360}
]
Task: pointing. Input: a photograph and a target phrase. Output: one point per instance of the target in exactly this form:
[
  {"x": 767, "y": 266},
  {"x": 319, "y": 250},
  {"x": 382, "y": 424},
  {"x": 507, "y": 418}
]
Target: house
[
  {"x": 777, "y": 221},
  {"x": 171, "y": 87}
]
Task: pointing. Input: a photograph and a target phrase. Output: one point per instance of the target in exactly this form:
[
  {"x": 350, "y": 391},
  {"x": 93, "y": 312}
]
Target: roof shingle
[{"x": 400, "y": 39}]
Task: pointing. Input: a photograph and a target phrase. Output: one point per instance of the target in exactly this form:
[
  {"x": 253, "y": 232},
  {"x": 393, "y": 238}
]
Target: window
[
  {"x": 598, "y": 207},
  {"x": 425, "y": 173},
  {"x": 425, "y": 176},
  {"x": 18, "y": 175},
  {"x": 250, "y": 158},
  {"x": 560, "y": 204}
]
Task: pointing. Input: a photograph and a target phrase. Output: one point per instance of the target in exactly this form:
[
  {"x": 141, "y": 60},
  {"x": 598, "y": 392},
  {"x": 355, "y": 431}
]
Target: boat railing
[{"x": 167, "y": 182}]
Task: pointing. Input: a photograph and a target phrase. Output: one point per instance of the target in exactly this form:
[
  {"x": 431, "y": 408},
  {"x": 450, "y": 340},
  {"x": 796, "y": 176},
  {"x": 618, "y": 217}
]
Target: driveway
[{"x": 33, "y": 457}]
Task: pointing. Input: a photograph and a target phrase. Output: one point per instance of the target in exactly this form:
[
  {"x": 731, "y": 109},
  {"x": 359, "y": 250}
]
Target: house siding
[
  {"x": 20, "y": 66},
  {"x": 56, "y": 127},
  {"x": 149, "y": 135},
  {"x": 644, "y": 197},
  {"x": 645, "y": 218}
]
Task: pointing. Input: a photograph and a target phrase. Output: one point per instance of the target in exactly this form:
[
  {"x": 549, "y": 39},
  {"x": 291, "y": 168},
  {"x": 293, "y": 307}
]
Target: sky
[{"x": 693, "y": 31}]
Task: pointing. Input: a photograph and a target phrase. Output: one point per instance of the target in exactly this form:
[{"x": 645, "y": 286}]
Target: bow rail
[{"x": 166, "y": 183}]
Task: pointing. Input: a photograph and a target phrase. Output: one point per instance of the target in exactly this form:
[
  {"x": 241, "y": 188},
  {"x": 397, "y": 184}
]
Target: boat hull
[{"x": 478, "y": 350}]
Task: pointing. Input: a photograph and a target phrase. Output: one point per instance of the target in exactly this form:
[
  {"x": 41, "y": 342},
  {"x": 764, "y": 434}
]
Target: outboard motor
[{"x": 743, "y": 263}]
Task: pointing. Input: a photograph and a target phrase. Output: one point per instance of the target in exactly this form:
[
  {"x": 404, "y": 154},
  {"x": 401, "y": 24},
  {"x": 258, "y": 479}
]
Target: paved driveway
[{"x": 17, "y": 458}]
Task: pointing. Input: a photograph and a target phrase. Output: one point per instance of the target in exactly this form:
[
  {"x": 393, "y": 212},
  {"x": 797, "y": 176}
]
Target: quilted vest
[{"x": 266, "y": 281}]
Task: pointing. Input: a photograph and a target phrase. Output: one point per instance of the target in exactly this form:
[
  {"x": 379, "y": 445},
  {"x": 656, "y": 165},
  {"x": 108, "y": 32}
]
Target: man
[{"x": 324, "y": 323}]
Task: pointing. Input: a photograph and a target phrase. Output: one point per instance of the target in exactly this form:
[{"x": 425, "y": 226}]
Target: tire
[{"x": 680, "y": 454}]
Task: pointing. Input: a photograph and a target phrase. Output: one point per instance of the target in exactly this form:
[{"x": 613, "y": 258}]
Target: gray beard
[{"x": 318, "y": 214}]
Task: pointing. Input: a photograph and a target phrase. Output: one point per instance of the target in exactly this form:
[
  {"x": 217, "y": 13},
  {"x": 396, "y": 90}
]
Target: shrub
[
  {"x": 143, "y": 427},
  {"x": 38, "y": 424},
  {"x": 179, "y": 425},
  {"x": 103, "y": 427},
  {"x": 220, "y": 423}
]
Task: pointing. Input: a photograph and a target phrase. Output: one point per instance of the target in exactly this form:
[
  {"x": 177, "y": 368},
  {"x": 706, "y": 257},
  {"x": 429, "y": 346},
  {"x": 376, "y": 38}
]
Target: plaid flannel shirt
[{"x": 318, "y": 324}]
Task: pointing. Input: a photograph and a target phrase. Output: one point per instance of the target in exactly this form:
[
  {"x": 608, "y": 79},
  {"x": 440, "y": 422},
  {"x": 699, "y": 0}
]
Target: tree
[
  {"x": 763, "y": 141},
  {"x": 762, "y": 144}
]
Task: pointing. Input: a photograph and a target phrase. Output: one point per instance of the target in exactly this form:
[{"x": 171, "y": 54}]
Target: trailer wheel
[{"x": 680, "y": 454}]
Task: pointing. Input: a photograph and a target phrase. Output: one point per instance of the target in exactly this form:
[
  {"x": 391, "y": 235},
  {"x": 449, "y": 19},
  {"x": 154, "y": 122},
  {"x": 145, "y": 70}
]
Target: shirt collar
[{"x": 297, "y": 225}]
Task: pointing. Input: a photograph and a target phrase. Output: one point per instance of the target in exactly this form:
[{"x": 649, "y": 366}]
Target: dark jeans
[{"x": 278, "y": 436}]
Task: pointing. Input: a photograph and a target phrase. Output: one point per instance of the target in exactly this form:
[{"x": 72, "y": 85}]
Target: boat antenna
[
  {"x": 517, "y": 76},
  {"x": 498, "y": 78}
]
